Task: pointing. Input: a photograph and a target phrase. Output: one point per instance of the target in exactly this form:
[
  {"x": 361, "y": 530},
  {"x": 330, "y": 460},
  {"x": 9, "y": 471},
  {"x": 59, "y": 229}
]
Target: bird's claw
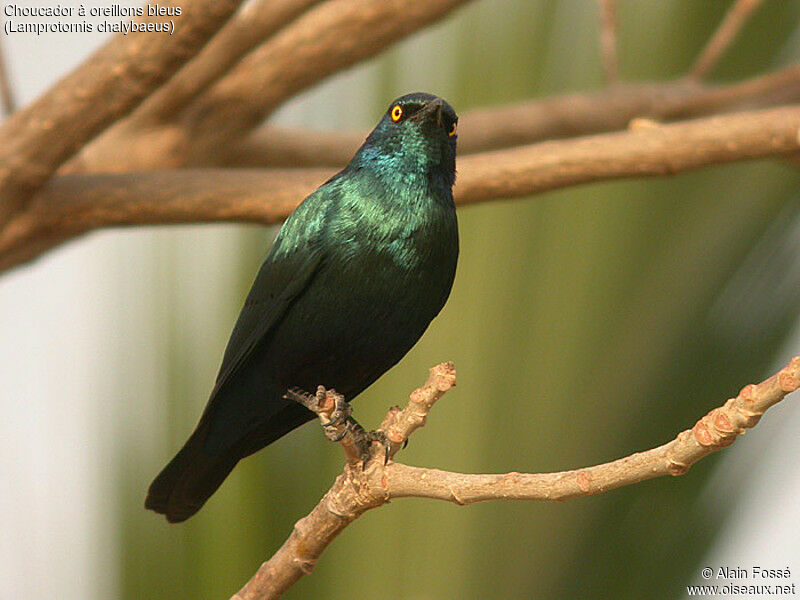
[
  {"x": 381, "y": 437},
  {"x": 302, "y": 397},
  {"x": 333, "y": 410},
  {"x": 364, "y": 444},
  {"x": 335, "y": 415},
  {"x": 339, "y": 419}
]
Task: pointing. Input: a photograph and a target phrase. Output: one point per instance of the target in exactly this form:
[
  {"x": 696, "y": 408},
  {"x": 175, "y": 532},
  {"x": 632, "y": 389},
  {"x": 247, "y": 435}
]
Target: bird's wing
[{"x": 277, "y": 284}]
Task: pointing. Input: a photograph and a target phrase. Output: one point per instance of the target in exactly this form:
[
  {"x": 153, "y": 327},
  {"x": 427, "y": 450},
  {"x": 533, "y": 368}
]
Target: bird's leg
[
  {"x": 333, "y": 410},
  {"x": 335, "y": 415}
]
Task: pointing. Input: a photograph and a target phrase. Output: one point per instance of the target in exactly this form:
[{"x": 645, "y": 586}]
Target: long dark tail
[
  {"x": 184, "y": 485},
  {"x": 192, "y": 477}
]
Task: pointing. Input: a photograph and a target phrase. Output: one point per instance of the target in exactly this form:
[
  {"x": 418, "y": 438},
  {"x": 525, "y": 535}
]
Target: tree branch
[
  {"x": 646, "y": 149},
  {"x": 608, "y": 38},
  {"x": 357, "y": 490},
  {"x": 723, "y": 37},
  {"x": 74, "y": 204},
  {"x": 256, "y": 22},
  {"x": 133, "y": 146},
  {"x": 326, "y": 39},
  {"x": 71, "y": 205},
  {"x": 7, "y": 103},
  {"x": 557, "y": 117},
  {"x": 36, "y": 140}
]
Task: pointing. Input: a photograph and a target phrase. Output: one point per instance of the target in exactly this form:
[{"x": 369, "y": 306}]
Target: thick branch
[
  {"x": 129, "y": 148},
  {"x": 558, "y": 117},
  {"x": 356, "y": 491},
  {"x": 36, "y": 140},
  {"x": 73, "y": 204},
  {"x": 723, "y": 37},
  {"x": 648, "y": 149}
]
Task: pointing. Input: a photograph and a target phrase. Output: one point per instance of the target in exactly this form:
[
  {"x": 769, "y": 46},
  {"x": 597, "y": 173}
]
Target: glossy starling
[{"x": 354, "y": 278}]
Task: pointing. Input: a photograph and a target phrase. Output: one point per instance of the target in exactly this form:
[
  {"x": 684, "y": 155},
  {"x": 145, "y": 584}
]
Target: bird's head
[{"x": 417, "y": 135}]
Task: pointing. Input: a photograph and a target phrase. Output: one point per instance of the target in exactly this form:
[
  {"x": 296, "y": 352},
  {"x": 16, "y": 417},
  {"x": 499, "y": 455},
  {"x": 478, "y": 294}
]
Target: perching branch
[
  {"x": 358, "y": 489},
  {"x": 727, "y": 31},
  {"x": 355, "y": 491},
  {"x": 35, "y": 141},
  {"x": 74, "y": 204}
]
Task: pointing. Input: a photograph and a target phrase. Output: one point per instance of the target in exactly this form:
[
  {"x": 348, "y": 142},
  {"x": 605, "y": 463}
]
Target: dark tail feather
[{"x": 181, "y": 489}]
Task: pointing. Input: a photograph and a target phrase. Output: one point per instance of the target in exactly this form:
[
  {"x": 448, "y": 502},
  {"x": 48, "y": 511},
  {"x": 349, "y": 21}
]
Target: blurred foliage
[{"x": 586, "y": 324}]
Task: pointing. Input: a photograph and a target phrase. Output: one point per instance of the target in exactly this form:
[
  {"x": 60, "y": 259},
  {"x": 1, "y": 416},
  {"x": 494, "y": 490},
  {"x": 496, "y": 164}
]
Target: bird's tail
[
  {"x": 184, "y": 485},
  {"x": 181, "y": 489}
]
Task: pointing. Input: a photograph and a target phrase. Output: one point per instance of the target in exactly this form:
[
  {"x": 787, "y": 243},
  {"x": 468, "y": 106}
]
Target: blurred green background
[{"x": 585, "y": 324}]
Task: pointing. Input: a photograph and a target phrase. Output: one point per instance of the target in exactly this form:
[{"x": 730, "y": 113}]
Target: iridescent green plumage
[{"x": 352, "y": 281}]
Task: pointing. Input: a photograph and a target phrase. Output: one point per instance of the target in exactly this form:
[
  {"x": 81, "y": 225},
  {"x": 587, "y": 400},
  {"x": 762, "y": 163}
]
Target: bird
[{"x": 355, "y": 276}]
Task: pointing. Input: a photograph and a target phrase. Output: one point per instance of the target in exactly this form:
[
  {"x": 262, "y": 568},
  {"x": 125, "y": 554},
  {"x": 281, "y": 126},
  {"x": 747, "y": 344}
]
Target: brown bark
[
  {"x": 35, "y": 141},
  {"x": 73, "y": 204},
  {"x": 358, "y": 489},
  {"x": 723, "y": 37},
  {"x": 609, "y": 109}
]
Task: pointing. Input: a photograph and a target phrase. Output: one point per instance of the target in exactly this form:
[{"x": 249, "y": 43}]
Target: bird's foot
[
  {"x": 338, "y": 424},
  {"x": 333, "y": 410},
  {"x": 363, "y": 440},
  {"x": 378, "y": 435}
]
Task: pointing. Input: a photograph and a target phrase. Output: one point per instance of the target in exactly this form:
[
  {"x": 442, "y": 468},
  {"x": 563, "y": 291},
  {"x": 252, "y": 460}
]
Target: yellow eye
[
  {"x": 453, "y": 130},
  {"x": 397, "y": 112}
]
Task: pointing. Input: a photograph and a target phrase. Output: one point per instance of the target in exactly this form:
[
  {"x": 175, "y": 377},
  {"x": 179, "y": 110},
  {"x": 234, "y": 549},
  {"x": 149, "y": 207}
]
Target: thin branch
[
  {"x": 325, "y": 40},
  {"x": 357, "y": 490},
  {"x": 145, "y": 148},
  {"x": 36, "y": 140},
  {"x": 557, "y": 117},
  {"x": 354, "y": 492},
  {"x": 73, "y": 204},
  {"x": 608, "y": 38},
  {"x": 7, "y": 102},
  {"x": 727, "y": 31},
  {"x": 256, "y": 22}
]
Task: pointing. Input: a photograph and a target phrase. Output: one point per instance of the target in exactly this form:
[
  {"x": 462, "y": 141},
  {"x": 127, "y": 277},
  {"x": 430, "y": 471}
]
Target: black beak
[{"x": 432, "y": 111}]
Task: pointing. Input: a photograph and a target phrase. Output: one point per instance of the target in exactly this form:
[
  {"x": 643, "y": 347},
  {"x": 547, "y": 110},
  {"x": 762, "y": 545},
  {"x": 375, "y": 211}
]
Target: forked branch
[
  {"x": 359, "y": 489},
  {"x": 569, "y": 115}
]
